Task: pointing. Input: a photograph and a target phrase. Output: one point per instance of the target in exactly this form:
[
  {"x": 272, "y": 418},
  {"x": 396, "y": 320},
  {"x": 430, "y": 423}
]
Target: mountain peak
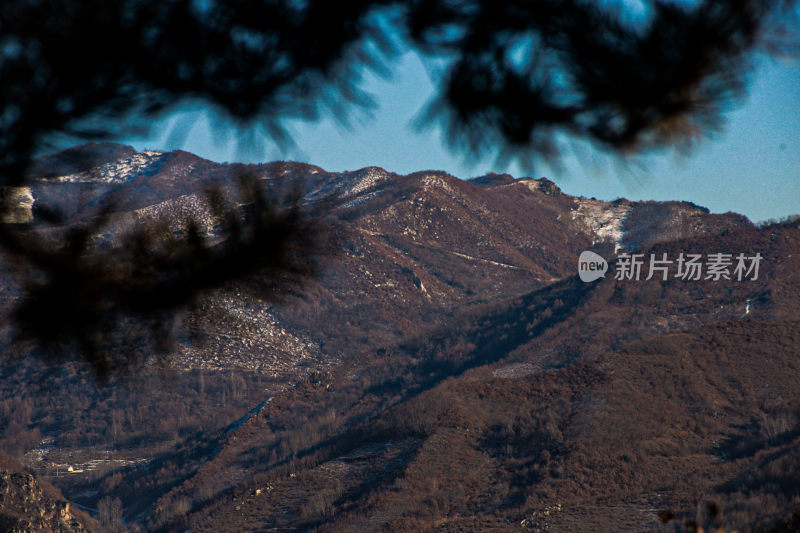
[{"x": 493, "y": 179}]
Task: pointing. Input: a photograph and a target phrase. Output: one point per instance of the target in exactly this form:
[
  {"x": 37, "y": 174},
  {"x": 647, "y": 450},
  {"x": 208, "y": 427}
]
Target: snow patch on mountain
[
  {"x": 604, "y": 219},
  {"x": 246, "y": 335},
  {"x": 349, "y": 184},
  {"x": 115, "y": 172},
  {"x": 360, "y": 200},
  {"x": 367, "y": 178},
  {"x": 542, "y": 185},
  {"x": 533, "y": 185},
  {"x": 432, "y": 180},
  {"x": 177, "y": 212}
]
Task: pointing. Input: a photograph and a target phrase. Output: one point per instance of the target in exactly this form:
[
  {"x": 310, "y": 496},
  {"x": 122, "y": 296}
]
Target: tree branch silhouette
[{"x": 517, "y": 75}]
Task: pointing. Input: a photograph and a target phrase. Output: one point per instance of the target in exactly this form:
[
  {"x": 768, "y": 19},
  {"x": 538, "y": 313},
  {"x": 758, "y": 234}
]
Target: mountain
[
  {"x": 412, "y": 248},
  {"x": 445, "y": 370}
]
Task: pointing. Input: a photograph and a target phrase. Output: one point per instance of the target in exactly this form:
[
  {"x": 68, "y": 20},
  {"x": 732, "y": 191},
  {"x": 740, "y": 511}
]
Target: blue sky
[{"x": 752, "y": 167}]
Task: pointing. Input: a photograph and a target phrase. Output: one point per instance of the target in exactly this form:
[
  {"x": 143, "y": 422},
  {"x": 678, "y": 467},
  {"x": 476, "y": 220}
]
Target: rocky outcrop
[
  {"x": 30, "y": 506},
  {"x": 17, "y": 205}
]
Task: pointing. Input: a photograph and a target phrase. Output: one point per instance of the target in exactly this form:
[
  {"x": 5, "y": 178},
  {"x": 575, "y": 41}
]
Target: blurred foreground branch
[{"x": 515, "y": 78}]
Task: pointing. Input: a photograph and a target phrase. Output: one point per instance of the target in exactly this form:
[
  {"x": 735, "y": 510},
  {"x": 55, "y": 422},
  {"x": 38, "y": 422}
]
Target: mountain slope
[
  {"x": 445, "y": 370},
  {"x": 551, "y": 431}
]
